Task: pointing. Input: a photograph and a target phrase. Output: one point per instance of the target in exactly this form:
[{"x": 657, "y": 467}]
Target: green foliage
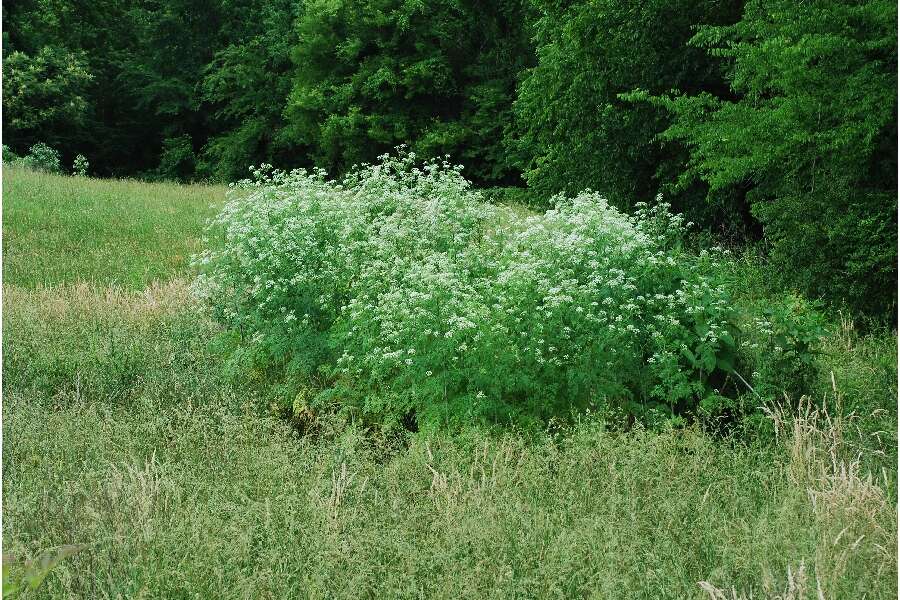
[
  {"x": 438, "y": 76},
  {"x": 749, "y": 119},
  {"x": 574, "y": 131},
  {"x": 407, "y": 293},
  {"x": 513, "y": 196},
  {"x": 10, "y": 157},
  {"x": 178, "y": 159},
  {"x": 144, "y": 468},
  {"x": 810, "y": 129},
  {"x": 145, "y": 60},
  {"x": 290, "y": 83},
  {"x": 44, "y": 95},
  {"x": 781, "y": 342},
  {"x": 247, "y": 86},
  {"x": 42, "y": 157}
]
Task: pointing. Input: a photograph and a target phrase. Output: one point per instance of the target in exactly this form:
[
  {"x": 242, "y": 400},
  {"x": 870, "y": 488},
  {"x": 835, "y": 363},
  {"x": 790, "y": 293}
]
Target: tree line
[{"x": 768, "y": 121}]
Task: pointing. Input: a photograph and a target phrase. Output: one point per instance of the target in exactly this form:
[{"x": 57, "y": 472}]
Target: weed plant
[{"x": 399, "y": 291}]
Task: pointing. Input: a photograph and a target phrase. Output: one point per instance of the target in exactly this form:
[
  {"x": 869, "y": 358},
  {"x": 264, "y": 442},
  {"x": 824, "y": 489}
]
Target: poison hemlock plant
[
  {"x": 399, "y": 292},
  {"x": 42, "y": 157},
  {"x": 80, "y": 166}
]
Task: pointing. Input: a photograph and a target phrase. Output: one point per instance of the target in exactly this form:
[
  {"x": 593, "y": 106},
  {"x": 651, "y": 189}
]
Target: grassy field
[
  {"x": 123, "y": 233},
  {"x": 121, "y": 433}
]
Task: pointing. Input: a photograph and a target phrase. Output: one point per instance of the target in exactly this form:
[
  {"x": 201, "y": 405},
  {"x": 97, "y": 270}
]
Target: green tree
[
  {"x": 145, "y": 59},
  {"x": 97, "y": 34},
  {"x": 246, "y": 87},
  {"x": 44, "y": 95},
  {"x": 810, "y": 130},
  {"x": 574, "y": 131},
  {"x": 439, "y": 76},
  {"x": 173, "y": 42}
]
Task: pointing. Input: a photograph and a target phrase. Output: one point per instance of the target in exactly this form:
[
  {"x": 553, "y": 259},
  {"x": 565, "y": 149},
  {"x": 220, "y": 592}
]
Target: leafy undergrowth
[
  {"x": 401, "y": 296},
  {"x": 121, "y": 434}
]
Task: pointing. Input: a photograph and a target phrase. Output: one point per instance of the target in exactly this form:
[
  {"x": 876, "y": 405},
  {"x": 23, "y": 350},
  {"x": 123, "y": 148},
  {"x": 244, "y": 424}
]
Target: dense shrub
[
  {"x": 399, "y": 291},
  {"x": 42, "y": 157},
  {"x": 9, "y": 157},
  {"x": 780, "y": 345}
]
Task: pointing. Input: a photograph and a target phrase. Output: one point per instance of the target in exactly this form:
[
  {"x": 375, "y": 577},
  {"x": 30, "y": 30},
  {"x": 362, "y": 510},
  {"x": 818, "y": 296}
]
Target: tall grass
[
  {"x": 129, "y": 233},
  {"x": 120, "y": 433}
]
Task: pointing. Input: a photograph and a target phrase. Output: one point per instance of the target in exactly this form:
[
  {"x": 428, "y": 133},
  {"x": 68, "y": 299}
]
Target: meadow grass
[
  {"x": 121, "y": 432},
  {"x": 125, "y": 233}
]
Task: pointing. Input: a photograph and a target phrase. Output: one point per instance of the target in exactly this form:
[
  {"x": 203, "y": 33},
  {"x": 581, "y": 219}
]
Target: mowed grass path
[{"x": 121, "y": 432}]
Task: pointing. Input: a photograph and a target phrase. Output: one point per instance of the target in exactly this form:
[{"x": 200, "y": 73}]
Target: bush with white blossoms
[
  {"x": 80, "y": 166},
  {"x": 400, "y": 292},
  {"x": 42, "y": 157}
]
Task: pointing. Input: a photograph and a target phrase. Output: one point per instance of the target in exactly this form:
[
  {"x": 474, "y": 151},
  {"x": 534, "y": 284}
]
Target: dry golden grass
[
  {"x": 849, "y": 508},
  {"x": 68, "y": 301}
]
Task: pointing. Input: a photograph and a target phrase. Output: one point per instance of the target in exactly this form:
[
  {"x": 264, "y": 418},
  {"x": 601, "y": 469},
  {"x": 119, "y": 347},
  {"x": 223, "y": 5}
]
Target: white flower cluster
[{"x": 412, "y": 291}]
